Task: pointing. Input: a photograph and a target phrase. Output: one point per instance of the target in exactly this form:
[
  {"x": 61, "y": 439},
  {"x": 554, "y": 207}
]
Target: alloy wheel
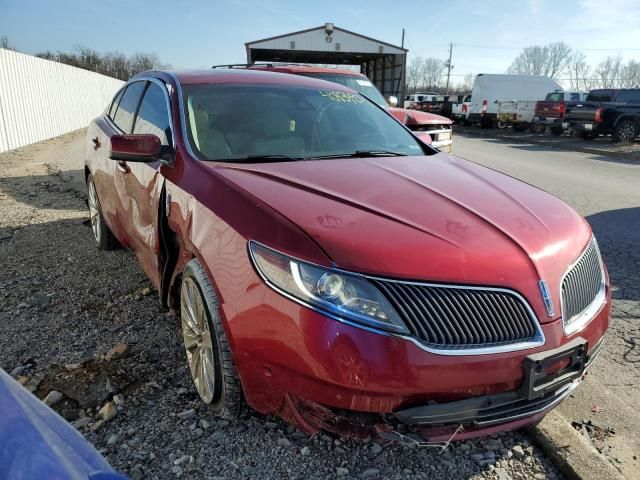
[
  {"x": 94, "y": 212},
  {"x": 627, "y": 132},
  {"x": 197, "y": 340}
]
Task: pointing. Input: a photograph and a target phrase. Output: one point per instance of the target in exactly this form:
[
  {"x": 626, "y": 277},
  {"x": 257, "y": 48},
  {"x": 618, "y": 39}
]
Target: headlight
[{"x": 338, "y": 293}]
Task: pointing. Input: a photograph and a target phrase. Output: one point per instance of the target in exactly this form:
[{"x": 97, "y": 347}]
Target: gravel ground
[{"x": 88, "y": 324}]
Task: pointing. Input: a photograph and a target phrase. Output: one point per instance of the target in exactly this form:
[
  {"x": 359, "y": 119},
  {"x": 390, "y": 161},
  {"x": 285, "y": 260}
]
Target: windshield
[
  {"x": 359, "y": 83},
  {"x": 241, "y": 122}
]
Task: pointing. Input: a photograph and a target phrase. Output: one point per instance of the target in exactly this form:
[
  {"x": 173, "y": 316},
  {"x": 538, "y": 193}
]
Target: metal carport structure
[{"x": 385, "y": 64}]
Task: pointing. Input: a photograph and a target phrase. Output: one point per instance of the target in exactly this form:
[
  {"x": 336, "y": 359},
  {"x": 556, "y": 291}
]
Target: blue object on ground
[{"x": 36, "y": 443}]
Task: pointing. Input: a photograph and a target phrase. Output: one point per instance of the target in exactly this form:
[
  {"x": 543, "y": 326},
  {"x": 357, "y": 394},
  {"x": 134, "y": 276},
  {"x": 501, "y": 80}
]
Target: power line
[{"x": 500, "y": 47}]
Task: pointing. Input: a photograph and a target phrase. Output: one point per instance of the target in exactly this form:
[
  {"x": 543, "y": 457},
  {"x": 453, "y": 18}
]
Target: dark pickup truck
[
  {"x": 607, "y": 111},
  {"x": 550, "y": 111}
]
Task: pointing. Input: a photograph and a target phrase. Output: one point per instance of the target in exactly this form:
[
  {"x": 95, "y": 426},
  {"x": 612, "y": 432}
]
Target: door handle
[
  {"x": 123, "y": 167},
  {"x": 96, "y": 143}
]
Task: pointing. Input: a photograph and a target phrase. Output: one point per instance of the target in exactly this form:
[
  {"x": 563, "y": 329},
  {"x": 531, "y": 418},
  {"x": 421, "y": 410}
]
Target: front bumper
[
  {"x": 489, "y": 410},
  {"x": 288, "y": 351}
]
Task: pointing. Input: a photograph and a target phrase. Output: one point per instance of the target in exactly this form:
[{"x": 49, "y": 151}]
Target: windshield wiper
[
  {"x": 362, "y": 154},
  {"x": 266, "y": 159}
]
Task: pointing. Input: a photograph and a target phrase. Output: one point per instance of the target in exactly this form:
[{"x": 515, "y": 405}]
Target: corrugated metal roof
[{"x": 316, "y": 40}]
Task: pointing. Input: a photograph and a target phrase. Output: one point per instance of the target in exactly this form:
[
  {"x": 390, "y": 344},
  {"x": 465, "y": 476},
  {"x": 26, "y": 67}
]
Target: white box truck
[{"x": 489, "y": 89}]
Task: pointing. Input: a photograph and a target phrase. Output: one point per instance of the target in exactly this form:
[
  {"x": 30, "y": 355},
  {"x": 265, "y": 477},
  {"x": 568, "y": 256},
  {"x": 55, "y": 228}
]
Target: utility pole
[{"x": 449, "y": 66}]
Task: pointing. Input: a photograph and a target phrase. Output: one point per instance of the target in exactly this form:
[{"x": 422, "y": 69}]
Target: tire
[
  {"x": 206, "y": 344},
  {"x": 501, "y": 125},
  {"x": 518, "y": 127},
  {"x": 486, "y": 123},
  {"x": 105, "y": 240},
  {"x": 557, "y": 131},
  {"x": 625, "y": 132},
  {"x": 588, "y": 135}
]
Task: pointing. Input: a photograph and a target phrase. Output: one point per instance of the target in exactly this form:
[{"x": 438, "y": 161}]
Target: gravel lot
[{"x": 65, "y": 306}]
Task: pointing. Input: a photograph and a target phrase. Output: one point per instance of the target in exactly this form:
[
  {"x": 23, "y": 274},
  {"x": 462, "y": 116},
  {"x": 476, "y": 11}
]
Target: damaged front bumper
[{"x": 550, "y": 377}]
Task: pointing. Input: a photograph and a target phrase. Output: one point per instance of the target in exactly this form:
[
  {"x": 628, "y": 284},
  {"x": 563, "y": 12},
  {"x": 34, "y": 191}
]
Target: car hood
[
  {"x": 433, "y": 218},
  {"x": 416, "y": 117}
]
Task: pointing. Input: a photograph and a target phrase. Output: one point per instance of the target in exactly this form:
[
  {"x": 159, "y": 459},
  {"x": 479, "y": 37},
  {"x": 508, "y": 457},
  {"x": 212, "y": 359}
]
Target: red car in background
[
  {"x": 330, "y": 268},
  {"x": 432, "y": 129}
]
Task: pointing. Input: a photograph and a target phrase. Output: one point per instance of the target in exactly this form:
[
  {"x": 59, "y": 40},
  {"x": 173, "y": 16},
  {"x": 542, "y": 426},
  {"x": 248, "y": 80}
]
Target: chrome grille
[
  {"x": 446, "y": 317},
  {"x": 582, "y": 287}
]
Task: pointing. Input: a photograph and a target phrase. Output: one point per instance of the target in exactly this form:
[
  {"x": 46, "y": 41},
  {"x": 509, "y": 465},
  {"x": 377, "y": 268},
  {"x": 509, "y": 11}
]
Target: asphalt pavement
[{"x": 606, "y": 191}]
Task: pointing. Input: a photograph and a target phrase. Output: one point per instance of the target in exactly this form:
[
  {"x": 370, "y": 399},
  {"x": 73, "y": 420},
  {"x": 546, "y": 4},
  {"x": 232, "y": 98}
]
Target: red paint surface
[{"x": 433, "y": 218}]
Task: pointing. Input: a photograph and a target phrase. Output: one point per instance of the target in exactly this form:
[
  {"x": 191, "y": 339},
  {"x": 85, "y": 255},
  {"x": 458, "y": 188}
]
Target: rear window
[
  {"x": 600, "y": 96},
  {"x": 628, "y": 96},
  {"x": 574, "y": 97},
  {"x": 555, "y": 97}
]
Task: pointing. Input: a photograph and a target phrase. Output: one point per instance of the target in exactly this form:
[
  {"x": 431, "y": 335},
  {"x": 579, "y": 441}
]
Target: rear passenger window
[
  {"x": 114, "y": 104},
  {"x": 600, "y": 96},
  {"x": 153, "y": 115},
  {"x": 123, "y": 117},
  {"x": 628, "y": 96}
]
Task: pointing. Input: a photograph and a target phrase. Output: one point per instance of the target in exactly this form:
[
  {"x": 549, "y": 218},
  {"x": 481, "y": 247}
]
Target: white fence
[{"x": 41, "y": 99}]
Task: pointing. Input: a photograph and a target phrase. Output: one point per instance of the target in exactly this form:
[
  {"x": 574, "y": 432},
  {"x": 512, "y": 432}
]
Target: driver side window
[{"x": 153, "y": 115}]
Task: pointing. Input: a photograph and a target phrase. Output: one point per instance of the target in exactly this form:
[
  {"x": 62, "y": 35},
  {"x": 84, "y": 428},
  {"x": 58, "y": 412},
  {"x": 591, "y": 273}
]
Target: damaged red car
[{"x": 331, "y": 268}]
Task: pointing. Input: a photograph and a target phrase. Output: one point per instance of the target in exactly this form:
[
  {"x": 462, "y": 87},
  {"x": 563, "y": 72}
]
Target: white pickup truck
[
  {"x": 460, "y": 111},
  {"x": 519, "y": 114}
]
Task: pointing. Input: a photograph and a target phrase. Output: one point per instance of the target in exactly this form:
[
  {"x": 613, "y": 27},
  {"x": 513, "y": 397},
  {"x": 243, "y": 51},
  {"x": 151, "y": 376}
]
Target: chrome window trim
[
  {"x": 578, "y": 322},
  {"x": 537, "y": 341}
]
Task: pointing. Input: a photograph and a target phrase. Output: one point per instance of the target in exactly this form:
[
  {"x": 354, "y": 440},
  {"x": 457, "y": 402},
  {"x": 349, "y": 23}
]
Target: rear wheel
[
  {"x": 105, "y": 240},
  {"x": 625, "y": 131},
  {"x": 588, "y": 135},
  {"x": 486, "y": 123},
  {"x": 208, "y": 352}
]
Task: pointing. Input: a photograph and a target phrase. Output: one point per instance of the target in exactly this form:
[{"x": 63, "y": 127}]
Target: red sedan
[{"x": 330, "y": 268}]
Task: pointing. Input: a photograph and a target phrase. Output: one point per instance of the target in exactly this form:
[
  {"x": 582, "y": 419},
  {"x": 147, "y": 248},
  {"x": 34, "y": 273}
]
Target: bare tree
[
  {"x": 432, "y": 72},
  {"x": 115, "y": 64},
  {"x": 4, "y": 43},
  {"x": 579, "y": 72},
  {"x": 630, "y": 74},
  {"x": 608, "y": 72},
  {"x": 467, "y": 83},
  {"x": 414, "y": 73},
  {"x": 549, "y": 60}
]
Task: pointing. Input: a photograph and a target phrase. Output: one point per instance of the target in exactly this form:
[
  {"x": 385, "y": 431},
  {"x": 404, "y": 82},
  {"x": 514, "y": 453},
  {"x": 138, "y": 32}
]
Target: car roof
[
  {"x": 241, "y": 76},
  {"x": 304, "y": 69}
]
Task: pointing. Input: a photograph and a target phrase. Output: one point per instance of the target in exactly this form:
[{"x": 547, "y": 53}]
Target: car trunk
[
  {"x": 550, "y": 109},
  {"x": 585, "y": 111}
]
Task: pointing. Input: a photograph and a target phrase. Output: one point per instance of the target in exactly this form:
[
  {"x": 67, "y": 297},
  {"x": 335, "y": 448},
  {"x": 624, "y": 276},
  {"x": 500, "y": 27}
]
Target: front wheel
[
  {"x": 208, "y": 352},
  {"x": 625, "y": 131},
  {"x": 105, "y": 240}
]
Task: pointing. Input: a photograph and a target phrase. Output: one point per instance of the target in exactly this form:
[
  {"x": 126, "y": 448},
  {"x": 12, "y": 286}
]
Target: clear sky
[{"x": 487, "y": 34}]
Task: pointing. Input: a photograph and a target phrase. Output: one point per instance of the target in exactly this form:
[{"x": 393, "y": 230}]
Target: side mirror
[
  {"x": 393, "y": 101},
  {"x": 135, "y": 148}
]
